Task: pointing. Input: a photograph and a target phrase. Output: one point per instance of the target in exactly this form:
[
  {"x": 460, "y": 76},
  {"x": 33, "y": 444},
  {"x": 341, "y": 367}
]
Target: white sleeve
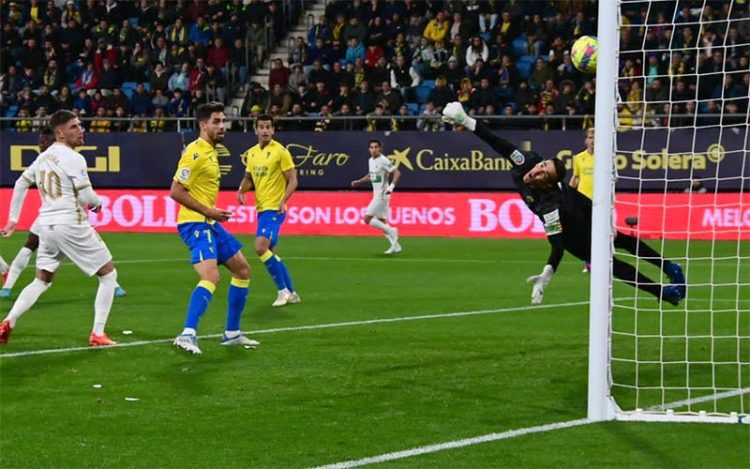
[
  {"x": 387, "y": 165},
  {"x": 77, "y": 172},
  {"x": 79, "y": 176},
  {"x": 20, "y": 189}
]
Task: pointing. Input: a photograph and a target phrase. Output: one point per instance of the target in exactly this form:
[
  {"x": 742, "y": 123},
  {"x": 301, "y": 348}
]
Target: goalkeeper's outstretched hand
[{"x": 540, "y": 281}]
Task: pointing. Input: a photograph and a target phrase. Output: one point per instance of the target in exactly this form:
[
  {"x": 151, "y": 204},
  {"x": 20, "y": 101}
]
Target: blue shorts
[
  {"x": 269, "y": 225},
  {"x": 208, "y": 241}
]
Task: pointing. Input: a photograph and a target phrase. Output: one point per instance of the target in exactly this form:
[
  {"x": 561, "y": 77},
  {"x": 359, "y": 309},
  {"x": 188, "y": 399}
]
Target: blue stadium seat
[
  {"x": 413, "y": 108},
  {"x": 133, "y": 21},
  {"x": 520, "y": 47},
  {"x": 524, "y": 65},
  {"x": 430, "y": 83},
  {"x": 423, "y": 93},
  {"x": 11, "y": 111}
]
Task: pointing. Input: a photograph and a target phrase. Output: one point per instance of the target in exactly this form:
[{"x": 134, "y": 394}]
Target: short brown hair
[
  {"x": 61, "y": 117},
  {"x": 204, "y": 111}
]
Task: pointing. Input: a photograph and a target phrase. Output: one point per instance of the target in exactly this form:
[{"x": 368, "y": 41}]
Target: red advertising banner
[{"x": 480, "y": 215}]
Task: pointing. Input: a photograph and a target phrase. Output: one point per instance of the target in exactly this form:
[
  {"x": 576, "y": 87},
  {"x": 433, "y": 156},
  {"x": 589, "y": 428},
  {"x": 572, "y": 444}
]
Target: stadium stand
[{"x": 236, "y": 50}]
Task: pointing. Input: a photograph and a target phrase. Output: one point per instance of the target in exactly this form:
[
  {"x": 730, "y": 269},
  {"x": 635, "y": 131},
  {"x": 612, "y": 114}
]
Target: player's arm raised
[{"x": 180, "y": 194}]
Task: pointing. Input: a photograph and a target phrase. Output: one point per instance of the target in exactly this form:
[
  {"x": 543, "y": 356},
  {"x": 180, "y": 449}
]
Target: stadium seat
[
  {"x": 520, "y": 47},
  {"x": 524, "y": 66},
  {"x": 11, "y": 111},
  {"x": 423, "y": 93},
  {"x": 430, "y": 83},
  {"x": 413, "y": 108},
  {"x": 134, "y": 21}
]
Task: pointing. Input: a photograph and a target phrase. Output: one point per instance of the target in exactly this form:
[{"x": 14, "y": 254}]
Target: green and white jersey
[{"x": 380, "y": 168}]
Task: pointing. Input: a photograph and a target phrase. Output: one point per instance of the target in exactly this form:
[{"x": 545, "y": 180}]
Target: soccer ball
[{"x": 583, "y": 54}]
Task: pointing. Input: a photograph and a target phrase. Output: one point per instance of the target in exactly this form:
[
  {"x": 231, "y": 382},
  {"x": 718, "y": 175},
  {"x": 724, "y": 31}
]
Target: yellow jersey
[
  {"x": 583, "y": 169},
  {"x": 198, "y": 171},
  {"x": 267, "y": 166}
]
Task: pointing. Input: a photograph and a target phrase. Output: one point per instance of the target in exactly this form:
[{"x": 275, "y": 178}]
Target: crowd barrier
[
  {"x": 646, "y": 160},
  {"x": 724, "y": 216}
]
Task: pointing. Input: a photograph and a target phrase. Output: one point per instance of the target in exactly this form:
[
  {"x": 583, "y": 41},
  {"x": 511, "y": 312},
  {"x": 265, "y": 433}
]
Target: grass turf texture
[{"x": 318, "y": 396}]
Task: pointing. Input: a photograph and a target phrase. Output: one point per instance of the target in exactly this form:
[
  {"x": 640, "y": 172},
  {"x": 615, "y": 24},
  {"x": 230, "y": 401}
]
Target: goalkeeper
[{"x": 566, "y": 215}]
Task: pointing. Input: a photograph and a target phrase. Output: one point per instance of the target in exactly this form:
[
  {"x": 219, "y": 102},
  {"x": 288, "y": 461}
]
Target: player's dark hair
[
  {"x": 263, "y": 117},
  {"x": 61, "y": 117},
  {"x": 47, "y": 132},
  {"x": 374, "y": 140},
  {"x": 559, "y": 170},
  {"x": 204, "y": 111}
]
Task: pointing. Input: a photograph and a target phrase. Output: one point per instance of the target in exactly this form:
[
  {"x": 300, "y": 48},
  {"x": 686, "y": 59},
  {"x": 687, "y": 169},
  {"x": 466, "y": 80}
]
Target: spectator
[
  {"x": 178, "y": 105},
  {"x": 319, "y": 96},
  {"x": 180, "y": 79},
  {"x": 23, "y": 124},
  {"x": 216, "y": 84},
  {"x": 482, "y": 97},
  {"x": 344, "y": 97},
  {"x": 100, "y": 124},
  {"x": 429, "y": 120},
  {"x": 477, "y": 50},
  {"x": 140, "y": 104},
  {"x": 355, "y": 29},
  {"x": 158, "y": 123},
  {"x": 200, "y": 32},
  {"x": 109, "y": 78},
  {"x": 378, "y": 74},
  {"x": 117, "y": 99},
  {"x": 64, "y": 98},
  {"x": 354, "y": 51},
  {"x": 319, "y": 31},
  {"x": 322, "y": 53},
  {"x": 279, "y": 74},
  {"x": 437, "y": 27},
  {"x": 373, "y": 54},
  {"x": 464, "y": 94},
  {"x": 121, "y": 122},
  {"x": 40, "y": 119},
  {"x": 540, "y": 75},
  {"x": 441, "y": 94},
  {"x": 82, "y": 103},
  {"x": 363, "y": 99},
  {"x": 403, "y": 120},
  {"x": 159, "y": 77},
  {"x": 379, "y": 121},
  {"x": 347, "y": 121},
  {"x": 298, "y": 53},
  {"x": 218, "y": 55},
  {"x": 89, "y": 79},
  {"x": 197, "y": 78},
  {"x": 297, "y": 77},
  {"x": 319, "y": 73},
  {"x": 159, "y": 99},
  {"x": 139, "y": 62},
  {"x": 279, "y": 97},
  {"x": 391, "y": 100}
]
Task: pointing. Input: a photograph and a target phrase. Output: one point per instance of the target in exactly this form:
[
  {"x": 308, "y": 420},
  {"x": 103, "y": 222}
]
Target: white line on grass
[
  {"x": 408, "y": 453},
  {"x": 455, "y": 444},
  {"x": 304, "y": 328}
]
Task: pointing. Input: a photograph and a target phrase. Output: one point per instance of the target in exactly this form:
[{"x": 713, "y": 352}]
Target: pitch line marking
[
  {"x": 304, "y": 328},
  {"x": 506, "y": 435}
]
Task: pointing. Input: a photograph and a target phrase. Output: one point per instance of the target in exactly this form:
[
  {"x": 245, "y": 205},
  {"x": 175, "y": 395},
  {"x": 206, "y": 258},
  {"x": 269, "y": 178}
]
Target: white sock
[
  {"x": 103, "y": 302},
  {"x": 231, "y": 334},
  {"x": 26, "y": 299},
  {"x": 284, "y": 291},
  {"x": 189, "y": 331},
  {"x": 3, "y": 265},
  {"x": 375, "y": 223},
  {"x": 16, "y": 267}
]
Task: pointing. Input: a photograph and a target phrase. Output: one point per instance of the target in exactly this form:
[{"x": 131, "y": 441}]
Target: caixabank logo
[{"x": 430, "y": 159}]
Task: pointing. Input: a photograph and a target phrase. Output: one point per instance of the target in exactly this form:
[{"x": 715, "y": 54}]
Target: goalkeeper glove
[
  {"x": 390, "y": 188},
  {"x": 539, "y": 282}
]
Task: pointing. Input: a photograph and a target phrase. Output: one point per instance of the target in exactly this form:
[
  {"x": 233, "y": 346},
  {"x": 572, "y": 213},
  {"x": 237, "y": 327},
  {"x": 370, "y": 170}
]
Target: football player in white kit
[
  {"x": 14, "y": 270},
  {"x": 376, "y": 215},
  {"x": 64, "y": 231}
]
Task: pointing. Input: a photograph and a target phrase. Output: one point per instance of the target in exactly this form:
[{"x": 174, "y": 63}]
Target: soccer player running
[
  {"x": 583, "y": 174},
  {"x": 46, "y": 138},
  {"x": 64, "y": 231},
  {"x": 566, "y": 215},
  {"x": 195, "y": 187},
  {"x": 376, "y": 215},
  {"x": 270, "y": 170}
]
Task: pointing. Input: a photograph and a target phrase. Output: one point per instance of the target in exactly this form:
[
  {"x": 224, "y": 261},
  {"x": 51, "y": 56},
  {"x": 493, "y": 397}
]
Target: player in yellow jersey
[
  {"x": 196, "y": 187},
  {"x": 270, "y": 170},
  {"x": 583, "y": 173}
]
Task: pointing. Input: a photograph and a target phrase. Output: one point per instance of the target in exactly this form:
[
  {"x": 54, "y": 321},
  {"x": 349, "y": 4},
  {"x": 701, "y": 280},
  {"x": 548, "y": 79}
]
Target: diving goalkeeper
[{"x": 566, "y": 215}]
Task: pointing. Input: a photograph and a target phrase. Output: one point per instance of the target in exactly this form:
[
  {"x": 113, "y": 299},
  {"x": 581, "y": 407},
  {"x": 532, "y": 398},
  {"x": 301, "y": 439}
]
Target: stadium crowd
[{"x": 380, "y": 60}]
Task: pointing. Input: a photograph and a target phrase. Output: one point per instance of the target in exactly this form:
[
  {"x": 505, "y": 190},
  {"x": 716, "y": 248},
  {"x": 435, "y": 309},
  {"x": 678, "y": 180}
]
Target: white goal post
[{"x": 650, "y": 360}]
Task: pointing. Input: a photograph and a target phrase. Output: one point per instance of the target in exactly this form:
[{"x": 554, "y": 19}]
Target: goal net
[{"x": 673, "y": 135}]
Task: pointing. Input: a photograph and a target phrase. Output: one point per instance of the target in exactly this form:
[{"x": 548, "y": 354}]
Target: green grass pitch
[{"x": 346, "y": 388}]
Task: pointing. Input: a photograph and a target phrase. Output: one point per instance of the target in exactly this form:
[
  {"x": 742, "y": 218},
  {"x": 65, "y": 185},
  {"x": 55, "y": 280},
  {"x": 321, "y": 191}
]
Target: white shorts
[
  {"x": 35, "y": 227},
  {"x": 80, "y": 243},
  {"x": 378, "y": 208}
]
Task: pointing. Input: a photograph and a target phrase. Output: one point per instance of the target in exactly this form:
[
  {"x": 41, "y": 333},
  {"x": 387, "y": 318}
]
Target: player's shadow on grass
[
  {"x": 640, "y": 443},
  {"x": 202, "y": 375}
]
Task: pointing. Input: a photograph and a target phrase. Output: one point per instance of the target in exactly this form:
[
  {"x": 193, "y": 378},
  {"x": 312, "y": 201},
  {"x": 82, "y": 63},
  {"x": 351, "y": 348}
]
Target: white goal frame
[{"x": 601, "y": 403}]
